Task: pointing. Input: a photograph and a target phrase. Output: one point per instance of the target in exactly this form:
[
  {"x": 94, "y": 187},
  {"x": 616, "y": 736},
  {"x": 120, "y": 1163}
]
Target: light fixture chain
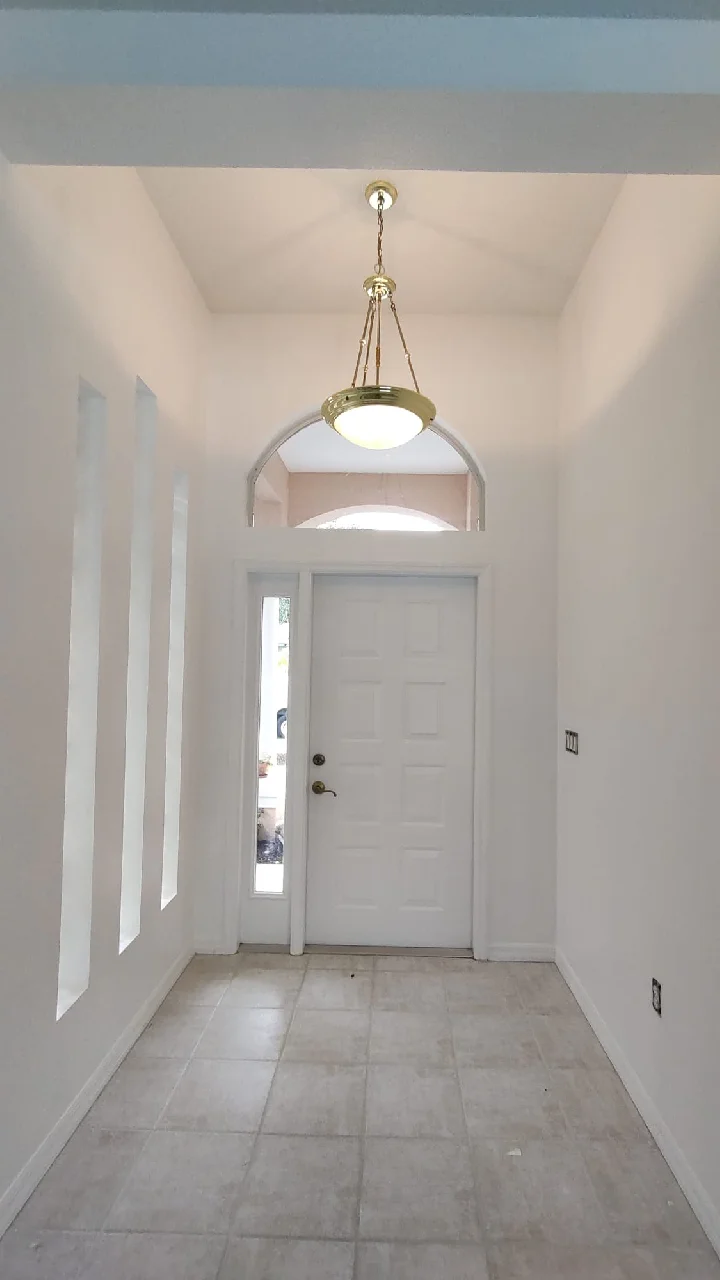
[
  {"x": 369, "y": 340},
  {"x": 393, "y": 308},
  {"x": 369, "y": 413},
  {"x": 363, "y": 341}
]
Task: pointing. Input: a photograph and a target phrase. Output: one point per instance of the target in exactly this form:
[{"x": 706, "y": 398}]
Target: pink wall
[{"x": 311, "y": 494}]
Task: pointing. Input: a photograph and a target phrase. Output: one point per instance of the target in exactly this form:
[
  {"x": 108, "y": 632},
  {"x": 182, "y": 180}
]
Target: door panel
[{"x": 392, "y": 709}]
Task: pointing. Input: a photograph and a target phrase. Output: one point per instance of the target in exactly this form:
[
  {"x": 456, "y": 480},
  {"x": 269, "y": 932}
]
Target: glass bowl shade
[{"x": 378, "y": 417}]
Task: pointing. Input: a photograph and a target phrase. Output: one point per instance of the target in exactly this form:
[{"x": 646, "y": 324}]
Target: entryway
[
  {"x": 385, "y": 695},
  {"x": 390, "y": 821}
]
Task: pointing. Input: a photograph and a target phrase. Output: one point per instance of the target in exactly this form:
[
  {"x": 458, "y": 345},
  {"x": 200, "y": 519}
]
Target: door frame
[{"x": 303, "y": 555}]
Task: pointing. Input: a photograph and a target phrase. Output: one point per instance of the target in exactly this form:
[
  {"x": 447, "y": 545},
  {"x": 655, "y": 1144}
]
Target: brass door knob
[{"x": 319, "y": 789}]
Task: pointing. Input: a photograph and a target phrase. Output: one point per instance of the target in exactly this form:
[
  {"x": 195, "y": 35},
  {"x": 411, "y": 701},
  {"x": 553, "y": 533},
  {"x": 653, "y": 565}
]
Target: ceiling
[
  {"x": 303, "y": 240},
  {"x": 688, "y": 9},
  {"x": 319, "y": 448}
]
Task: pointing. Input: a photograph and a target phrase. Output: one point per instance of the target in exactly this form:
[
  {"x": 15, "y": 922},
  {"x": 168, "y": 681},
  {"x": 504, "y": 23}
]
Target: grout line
[
  {"x": 253, "y": 1149},
  {"x": 149, "y": 1132},
  {"x": 281, "y": 1050},
  {"x": 468, "y": 1145},
  {"x": 363, "y": 1126}
]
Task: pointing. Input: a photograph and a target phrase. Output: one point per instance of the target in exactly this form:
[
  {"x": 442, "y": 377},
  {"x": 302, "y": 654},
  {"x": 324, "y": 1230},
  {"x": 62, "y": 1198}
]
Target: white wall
[
  {"x": 91, "y": 287},
  {"x": 639, "y": 639},
  {"x": 494, "y": 381}
]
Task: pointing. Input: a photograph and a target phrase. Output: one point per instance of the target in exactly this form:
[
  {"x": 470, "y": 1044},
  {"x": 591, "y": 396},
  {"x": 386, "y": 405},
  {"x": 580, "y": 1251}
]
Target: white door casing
[
  {"x": 390, "y": 860},
  {"x": 300, "y": 558}
]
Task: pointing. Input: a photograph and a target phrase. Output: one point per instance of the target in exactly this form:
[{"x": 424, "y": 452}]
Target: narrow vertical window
[
  {"x": 176, "y": 675},
  {"x": 138, "y": 667},
  {"x": 272, "y": 744},
  {"x": 79, "y": 825}
]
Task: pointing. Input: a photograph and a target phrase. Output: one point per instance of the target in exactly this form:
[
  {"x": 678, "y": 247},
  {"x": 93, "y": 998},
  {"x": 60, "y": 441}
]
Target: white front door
[{"x": 392, "y": 710}]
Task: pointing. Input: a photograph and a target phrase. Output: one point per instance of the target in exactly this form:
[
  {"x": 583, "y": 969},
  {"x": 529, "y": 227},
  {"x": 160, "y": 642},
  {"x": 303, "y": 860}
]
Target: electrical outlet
[
  {"x": 657, "y": 997},
  {"x": 572, "y": 742}
]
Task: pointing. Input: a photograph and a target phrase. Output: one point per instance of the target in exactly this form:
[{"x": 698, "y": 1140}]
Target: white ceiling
[
  {"x": 319, "y": 448},
  {"x": 302, "y": 240}
]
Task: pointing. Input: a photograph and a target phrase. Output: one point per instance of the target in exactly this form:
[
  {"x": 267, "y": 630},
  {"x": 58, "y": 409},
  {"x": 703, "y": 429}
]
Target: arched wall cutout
[{"x": 309, "y": 419}]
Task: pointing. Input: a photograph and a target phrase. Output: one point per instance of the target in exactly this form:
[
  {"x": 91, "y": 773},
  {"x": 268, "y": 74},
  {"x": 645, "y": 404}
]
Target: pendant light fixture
[{"x": 372, "y": 414}]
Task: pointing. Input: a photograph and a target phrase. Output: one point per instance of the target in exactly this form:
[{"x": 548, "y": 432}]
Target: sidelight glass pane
[{"x": 272, "y": 744}]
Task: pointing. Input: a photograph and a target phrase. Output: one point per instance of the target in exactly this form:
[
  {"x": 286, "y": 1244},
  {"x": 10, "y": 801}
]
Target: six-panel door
[{"x": 392, "y": 710}]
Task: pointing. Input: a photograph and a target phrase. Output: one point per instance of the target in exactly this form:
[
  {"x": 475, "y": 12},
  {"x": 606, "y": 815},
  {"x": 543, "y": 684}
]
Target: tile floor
[{"x": 345, "y": 1118}]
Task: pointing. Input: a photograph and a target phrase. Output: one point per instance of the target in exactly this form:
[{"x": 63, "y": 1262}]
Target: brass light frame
[{"x": 380, "y": 288}]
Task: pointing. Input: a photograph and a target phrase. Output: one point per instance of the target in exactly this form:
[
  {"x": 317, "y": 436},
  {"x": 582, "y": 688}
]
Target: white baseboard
[
  {"x": 706, "y": 1211},
  {"x": 22, "y": 1187},
  {"x": 521, "y": 951},
  {"x": 205, "y": 947}
]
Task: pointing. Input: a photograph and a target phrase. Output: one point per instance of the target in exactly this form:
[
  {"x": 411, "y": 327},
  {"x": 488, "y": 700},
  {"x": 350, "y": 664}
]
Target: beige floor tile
[
  {"x": 265, "y": 960},
  {"x": 208, "y": 966},
  {"x": 484, "y": 1039},
  {"x": 316, "y": 1099},
  {"x": 174, "y": 1032},
  {"x": 408, "y": 992},
  {"x": 679, "y": 1264},
  {"x": 349, "y": 963},
  {"x": 83, "y": 1183},
  {"x": 328, "y": 1035},
  {"x": 537, "y": 1191},
  {"x": 422, "y": 1039},
  {"x": 596, "y": 1105},
  {"x": 183, "y": 1182},
  {"x": 48, "y": 1255},
  {"x": 568, "y": 1040},
  {"x": 562, "y": 1179},
  {"x": 417, "y": 1189},
  {"x": 414, "y": 1102},
  {"x": 288, "y": 1260},
  {"x": 263, "y": 989},
  {"x": 421, "y": 1262},
  {"x": 488, "y": 987},
  {"x": 157, "y": 1256},
  {"x": 220, "y": 1096},
  {"x": 244, "y": 1033},
  {"x": 137, "y": 1093},
  {"x": 515, "y": 1104},
  {"x": 639, "y": 1195},
  {"x": 522, "y": 1261},
  {"x": 543, "y": 989},
  {"x": 323, "y": 989},
  {"x": 301, "y": 1187},
  {"x": 200, "y": 987}
]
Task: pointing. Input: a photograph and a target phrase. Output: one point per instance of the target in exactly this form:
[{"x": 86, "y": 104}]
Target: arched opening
[{"x": 309, "y": 471}]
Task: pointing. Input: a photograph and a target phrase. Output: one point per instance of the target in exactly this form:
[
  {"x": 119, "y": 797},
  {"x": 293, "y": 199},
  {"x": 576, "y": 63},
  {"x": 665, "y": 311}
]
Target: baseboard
[
  {"x": 37, "y": 1166},
  {"x": 528, "y": 951},
  {"x": 707, "y": 1213},
  {"x": 205, "y": 947},
  {"x": 521, "y": 951}
]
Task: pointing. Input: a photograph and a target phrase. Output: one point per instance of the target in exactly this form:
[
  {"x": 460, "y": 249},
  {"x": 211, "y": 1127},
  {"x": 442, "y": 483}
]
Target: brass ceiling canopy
[{"x": 371, "y": 414}]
